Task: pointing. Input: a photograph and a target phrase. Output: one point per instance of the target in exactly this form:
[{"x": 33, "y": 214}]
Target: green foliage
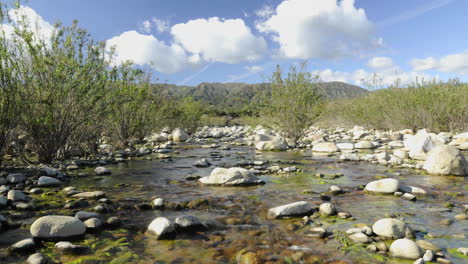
[
  {"x": 132, "y": 113},
  {"x": 433, "y": 105},
  {"x": 185, "y": 113},
  {"x": 64, "y": 83},
  {"x": 295, "y": 101}
]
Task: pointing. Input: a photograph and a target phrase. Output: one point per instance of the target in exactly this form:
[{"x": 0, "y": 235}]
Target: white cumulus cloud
[
  {"x": 453, "y": 63},
  {"x": 383, "y": 70},
  {"x": 219, "y": 40},
  {"x": 147, "y": 50},
  {"x": 326, "y": 29}
]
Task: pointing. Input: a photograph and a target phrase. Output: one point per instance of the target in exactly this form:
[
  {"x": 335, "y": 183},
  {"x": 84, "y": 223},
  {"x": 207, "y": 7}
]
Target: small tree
[
  {"x": 9, "y": 85},
  {"x": 295, "y": 100},
  {"x": 64, "y": 86},
  {"x": 133, "y": 114}
]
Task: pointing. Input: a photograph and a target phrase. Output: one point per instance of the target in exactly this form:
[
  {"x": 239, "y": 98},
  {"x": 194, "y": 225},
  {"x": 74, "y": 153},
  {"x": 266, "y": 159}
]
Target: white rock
[
  {"x": 36, "y": 258},
  {"x": 292, "y": 209},
  {"x": 17, "y": 196},
  {"x": 428, "y": 256},
  {"x": 419, "y": 145},
  {"x": 179, "y": 135},
  {"x": 327, "y": 147},
  {"x": 327, "y": 209},
  {"x": 57, "y": 226},
  {"x": 158, "y": 203},
  {"x": 360, "y": 238},
  {"x": 345, "y": 146},
  {"x": 406, "y": 249},
  {"x": 161, "y": 226},
  {"x": 232, "y": 176},
  {"x": 385, "y": 186},
  {"x": 390, "y": 228},
  {"x": 364, "y": 145},
  {"x": 400, "y": 153},
  {"x": 265, "y": 142},
  {"x": 446, "y": 160}
]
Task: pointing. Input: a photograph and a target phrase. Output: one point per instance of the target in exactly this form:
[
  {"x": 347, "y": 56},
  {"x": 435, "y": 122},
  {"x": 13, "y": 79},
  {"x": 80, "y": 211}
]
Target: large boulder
[
  {"x": 266, "y": 142},
  {"x": 292, "y": 209},
  {"x": 446, "y": 160},
  {"x": 420, "y": 144},
  {"x": 327, "y": 147},
  {"x": 179, "y": 135},
  {"x": 52, "y": 227},
  {"x": 384, "y": 186},
  {"x": 231, "y": 177},
  {"x": 406, "y": 249},
  {"x": 161, "y": 227},
  {"x": 391, "y": 228}
]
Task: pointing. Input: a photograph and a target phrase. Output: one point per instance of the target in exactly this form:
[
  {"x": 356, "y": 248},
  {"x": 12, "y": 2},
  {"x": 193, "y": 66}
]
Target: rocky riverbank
[{"x": 245, "y": 195}]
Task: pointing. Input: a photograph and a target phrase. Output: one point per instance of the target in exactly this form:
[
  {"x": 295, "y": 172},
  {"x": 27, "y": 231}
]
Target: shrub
[
  {"x": 434, "y": 105},
  {"x": 295, "y": 101},
  {"x": 64, "y": 85},
  {"x": 132, "y": 116}
]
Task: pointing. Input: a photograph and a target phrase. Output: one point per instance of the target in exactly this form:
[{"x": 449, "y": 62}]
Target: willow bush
[
  {"x": 295, "y": 101},
  {"x": 438, "y": 106}
]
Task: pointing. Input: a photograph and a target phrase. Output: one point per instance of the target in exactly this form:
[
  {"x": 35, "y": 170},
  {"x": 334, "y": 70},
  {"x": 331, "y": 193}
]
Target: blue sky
[{"x": 189, "y": 42}]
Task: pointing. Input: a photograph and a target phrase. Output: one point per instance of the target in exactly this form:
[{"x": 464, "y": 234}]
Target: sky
[{"x": 187, "y": 42}]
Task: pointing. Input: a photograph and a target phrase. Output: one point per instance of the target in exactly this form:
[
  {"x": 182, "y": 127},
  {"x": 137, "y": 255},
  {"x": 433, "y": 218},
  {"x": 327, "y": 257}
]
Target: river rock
[
  {"x": 90, "y": 195},
  {"x": 179, "y": 135},
  {"x": 463, "y": 251},
  {"x": 83, "y": 216},
  {"x": 385, "y": 186},
  {"x": 202, "y": 163},
  {"x": 292, "y": 209},
  {"x": 428, "y": 256},
  {"x": 231, "y": 177},
  {"x": 3, "y": 201},
  {"x": 45, "y": 181},
  {"x": 327, "y": 209},
  {"x": 426, "y": 245},
  {"x": 23, "y": 247},
  {"x": 406, "y": 249},
  {"x": 66, "y": 247},
  {"x": 93, "y": 223},
  {"x": 16, "y": 178},
  {"x": 446, "y": 160},
  {"x": 326, "y": 147},
  {"x": 360, "y": 238},
  {"x": 390, "y": 228},
  {"x": 345, "y": 146},
  {"x": 190, "y": 223},
  {"x": 419, "y": 145},
  {"x": 158, "y": 203},
  {"x": 37, "y": 258},
  {"x": 364, "y": 145},
  {"x": 57, "y": 226},
  {"x": 102, "y": 171},
  {"x": 161, "y": 227},
  {"x": 17, "y": 196},
  {"x": 265, "y": 142}
]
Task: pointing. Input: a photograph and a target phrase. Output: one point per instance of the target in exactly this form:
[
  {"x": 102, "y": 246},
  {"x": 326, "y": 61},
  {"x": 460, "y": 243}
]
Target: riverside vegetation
[{"x": 98, "y": 165}]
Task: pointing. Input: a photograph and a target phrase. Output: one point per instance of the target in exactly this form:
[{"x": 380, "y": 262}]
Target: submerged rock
[
  {"x": 90, "y": 195},
  {"x": 102, "y": 171},
  {"x": 190, "y": 223},
  {"x": 293, "y": 209},
  {"x": 69, "y": 248},
  {"x": 23, "y": 247},
  {"x": 231, "y": 177},
  {"x": 57, "y": 227},
  {"x": 385, "y": 186},
  {"x": 446, "y": 160}
]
